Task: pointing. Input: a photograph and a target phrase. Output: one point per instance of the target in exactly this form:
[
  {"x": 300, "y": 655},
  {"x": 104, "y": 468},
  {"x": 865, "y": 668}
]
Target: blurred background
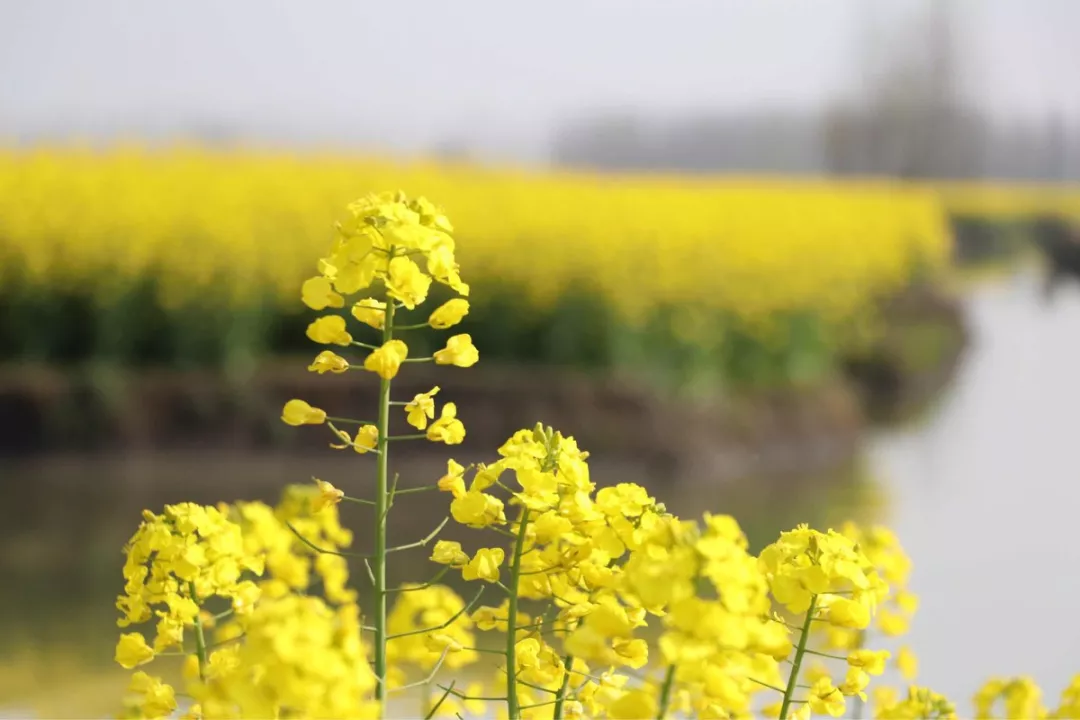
[{"x": 799, "y": 262}]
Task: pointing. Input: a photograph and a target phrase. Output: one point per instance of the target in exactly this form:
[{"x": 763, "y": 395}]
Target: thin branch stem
[
  {"x": 463, "y": 696},
  {"x": 431, "y": 675},
  {"x": 536, "y": 705},
  {"x": 423, "y": 541},
  {"x": 541, "y": 688},
  {"x": 513, "y": 710},
  {"x": 390, "y": 499},
  {"x": 422, "y": 488},
  {"x": 446, "y": 624},
  {"x": 860, "y": 704},
  {"x": 223, "y": 643},
  {"x": 560, "y": 694},
  {"x": 543, "y": 571},
  {"x": 350, "y": 421},
  {"x": 200, "y": 639},
  {"x": 434, "y": 579},
  {"x": 796, "y": 664},
  {"x": 435, "y": 708},
  {"x": 665, "y": 692},
  {"x": 767, "y": 685},
  {"x": 318, "y": 549},
  {"x": 381, "y": 508}
]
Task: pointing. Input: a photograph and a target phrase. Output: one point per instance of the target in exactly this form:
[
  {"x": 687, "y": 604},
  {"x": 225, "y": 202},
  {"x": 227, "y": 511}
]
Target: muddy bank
[
  {"x": 913, "y": 364},
  {"x": 49, "y": 411}
]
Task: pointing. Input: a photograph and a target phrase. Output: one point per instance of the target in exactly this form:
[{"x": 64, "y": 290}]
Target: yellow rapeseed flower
[
  {"x": 872, "y": 661},
  {"x": 328, "y": 361},
  {"x": 370, "y": 312},
  {"x": 477, "y": 509},
  {"x": 855, "y": 682},
  {"x": 449, "y": 552},
  {"x": 387, "y": 359},
  {"x": 133, "y": 650},
  {"x": 826, "y": 698},
  {"x": 907, "y": 662},
  {"x": 421, "y": 408},
  {"x": 453, "y": 481},
  {"x": 459, "y": 351},
  {"x": 318, "y": 294},
  {"x": 328, "y": 495},
  {"x": 633, "y": 705},
  {"x": 156, "y": 698},
  {"x": 448, "y": 314},
  {"x": 298, "y": 412},
  {"x": 329, "y": 330},
  {"x": 447, "y": 429},
  {"x": 406, "y": 283}
]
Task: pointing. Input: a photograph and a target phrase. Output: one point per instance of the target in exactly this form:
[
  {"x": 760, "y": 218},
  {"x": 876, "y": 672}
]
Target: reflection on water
[
  {"x": 981, "y": 494},
  {"x": 985, "y": 495}
]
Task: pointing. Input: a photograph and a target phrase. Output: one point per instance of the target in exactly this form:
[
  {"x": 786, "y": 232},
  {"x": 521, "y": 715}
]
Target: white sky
[{"x": 498, "y": 74}]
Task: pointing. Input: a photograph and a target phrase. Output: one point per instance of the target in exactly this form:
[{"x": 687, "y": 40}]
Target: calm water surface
[
  {"x": 983, "y": 493},
  {"x": 986, "y": 495}
]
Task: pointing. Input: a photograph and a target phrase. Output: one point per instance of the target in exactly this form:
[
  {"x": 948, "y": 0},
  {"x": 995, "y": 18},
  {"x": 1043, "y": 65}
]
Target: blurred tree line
[{"x": 909, "y": 118}]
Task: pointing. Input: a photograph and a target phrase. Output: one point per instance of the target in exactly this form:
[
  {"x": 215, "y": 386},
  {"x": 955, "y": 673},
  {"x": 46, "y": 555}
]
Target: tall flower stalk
[
  {"x": 376, "y": 255},
  {"x": 382, "y": 512}
]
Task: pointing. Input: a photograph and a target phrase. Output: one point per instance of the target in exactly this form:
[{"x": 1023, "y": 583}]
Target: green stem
[
  {"x": 561, "y": 697},
  {"x": 200, "y": 639},
  {"x": 513, "y": 710},
  {"x": 422, "y": 488},
  {"x": 665, "y": 692},
  {"x": 793, "y": 679},
  {"x": 860, "y": 704},
  {"x": 350, "y": 421},
  {"x": 435, "y": 708},
  {"x": 382, "y": 496}
]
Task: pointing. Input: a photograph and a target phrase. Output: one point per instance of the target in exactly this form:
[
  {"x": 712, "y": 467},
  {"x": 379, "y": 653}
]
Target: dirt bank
[
  {"x": 49, "y": 411},
  {"x": 902, "y": 374}
]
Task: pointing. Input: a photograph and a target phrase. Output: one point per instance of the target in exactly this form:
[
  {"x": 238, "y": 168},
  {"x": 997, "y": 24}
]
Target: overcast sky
[{"x": 499, "y": 74}]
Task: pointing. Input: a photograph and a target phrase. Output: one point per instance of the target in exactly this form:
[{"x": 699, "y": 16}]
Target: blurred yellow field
[
  {"x": 194, "y": 254},
  {"x": 228, "y": 223}
]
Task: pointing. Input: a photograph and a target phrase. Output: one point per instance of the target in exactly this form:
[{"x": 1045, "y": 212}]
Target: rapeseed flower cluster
[
  {"x": 592, "y": 602},
  {"x": 175, "y": 562},
  {"x": 894, "y": 613},
  {"x": 228, "y": 588},
  {"x": 1004, "y": 697}
]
